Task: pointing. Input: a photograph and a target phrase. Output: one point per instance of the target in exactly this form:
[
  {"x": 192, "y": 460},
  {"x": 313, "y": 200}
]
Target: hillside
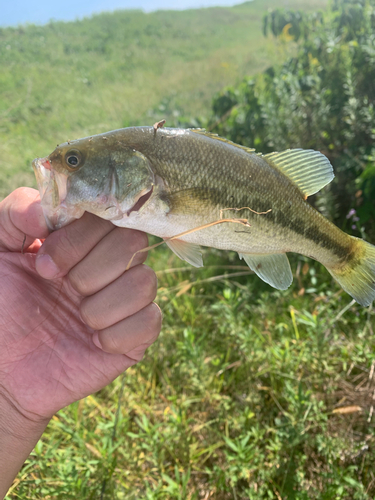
[{"x": 67, "y": 80}]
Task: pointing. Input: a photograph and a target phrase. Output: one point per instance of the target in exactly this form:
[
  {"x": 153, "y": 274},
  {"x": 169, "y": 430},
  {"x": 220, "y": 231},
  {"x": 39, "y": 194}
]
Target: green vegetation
[
  {"x": 244, "y": 396},
  {"x": 250, "y": 393},
  {"x": 323, "y": 98},
  {"x": 68, "y": 80}
]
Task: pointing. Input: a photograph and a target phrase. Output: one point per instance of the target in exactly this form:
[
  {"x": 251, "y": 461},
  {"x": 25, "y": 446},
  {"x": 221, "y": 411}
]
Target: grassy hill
[
  {"x": 250, "y": 392},
  {"x": 67, "y": 80}
]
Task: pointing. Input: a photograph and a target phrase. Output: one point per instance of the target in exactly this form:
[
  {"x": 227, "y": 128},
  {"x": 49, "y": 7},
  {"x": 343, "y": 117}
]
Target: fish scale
[{"x": 171, "y": 181}]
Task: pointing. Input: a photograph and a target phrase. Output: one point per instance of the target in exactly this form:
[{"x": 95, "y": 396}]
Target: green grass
[
  {"x": 250, "y": 393},
  {"x": 243, "y": 397}
]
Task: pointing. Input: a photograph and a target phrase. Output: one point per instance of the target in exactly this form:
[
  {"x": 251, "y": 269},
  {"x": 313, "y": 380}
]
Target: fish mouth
[
  {"x": 52, "y": 189},
  {"x": 43, "y": 174}
]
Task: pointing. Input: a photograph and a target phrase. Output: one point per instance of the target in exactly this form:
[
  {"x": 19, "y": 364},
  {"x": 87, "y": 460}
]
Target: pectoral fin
[
  {"x": 186, "y": 251},
  {"x": 273, "y": 269}
]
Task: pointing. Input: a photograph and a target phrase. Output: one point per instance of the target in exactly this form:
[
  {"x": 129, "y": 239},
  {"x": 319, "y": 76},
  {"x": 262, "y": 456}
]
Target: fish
[{"x": 193, "y": 188}]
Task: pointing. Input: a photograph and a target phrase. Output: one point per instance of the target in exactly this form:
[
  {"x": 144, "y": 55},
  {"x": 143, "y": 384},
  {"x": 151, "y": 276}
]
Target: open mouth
[
  {"x": 43, "y": 174},
  {"x": 52, "y": 190}
]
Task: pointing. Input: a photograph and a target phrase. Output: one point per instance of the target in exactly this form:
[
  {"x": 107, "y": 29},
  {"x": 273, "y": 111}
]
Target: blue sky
[{"x": 13, "y": 12}]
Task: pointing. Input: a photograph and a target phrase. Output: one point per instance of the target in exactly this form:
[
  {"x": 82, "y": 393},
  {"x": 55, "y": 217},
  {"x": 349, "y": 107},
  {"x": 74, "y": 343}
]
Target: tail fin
[{"x": 357, "y": 275}]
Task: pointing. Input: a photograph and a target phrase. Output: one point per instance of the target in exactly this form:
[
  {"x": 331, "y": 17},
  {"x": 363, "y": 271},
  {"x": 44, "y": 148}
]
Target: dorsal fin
[
  {"x": 202, "y": 131},
  {"x": 310, "y": 170}
]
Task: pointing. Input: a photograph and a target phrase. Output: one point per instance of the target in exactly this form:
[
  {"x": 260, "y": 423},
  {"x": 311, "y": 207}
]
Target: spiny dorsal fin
[
  {"x": 202, "y": 131},
  {"x": 310, "y": 170},
  {"x": 273, "y": 269}
]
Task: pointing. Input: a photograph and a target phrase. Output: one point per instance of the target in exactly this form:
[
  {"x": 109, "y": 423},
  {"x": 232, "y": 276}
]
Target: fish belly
[
  {"x": 318, "y": 239},
  {"x": 207, "y": 230}
]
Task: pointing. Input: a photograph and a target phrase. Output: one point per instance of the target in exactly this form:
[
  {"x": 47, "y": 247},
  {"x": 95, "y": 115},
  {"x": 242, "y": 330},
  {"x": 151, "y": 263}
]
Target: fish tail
[{"x": 357, "y": 274}]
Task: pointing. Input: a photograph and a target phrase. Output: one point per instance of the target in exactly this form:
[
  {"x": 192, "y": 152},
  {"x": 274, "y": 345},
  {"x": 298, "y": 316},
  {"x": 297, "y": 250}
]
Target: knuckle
[
  {"x": 109, "y": 343},
  {"x": 90, "y": 316},
  {"x": 80, "y": 282}
]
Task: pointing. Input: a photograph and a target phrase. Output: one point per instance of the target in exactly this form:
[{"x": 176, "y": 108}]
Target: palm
[
  {"x": 50, "y": 358},
  {"x": 48, "y": 354}
]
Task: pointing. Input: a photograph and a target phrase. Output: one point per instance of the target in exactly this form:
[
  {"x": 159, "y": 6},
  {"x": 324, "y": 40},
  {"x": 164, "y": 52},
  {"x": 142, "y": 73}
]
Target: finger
[
  {"x": 64, "y": 248},
  {"x": 127, "y": 295},
  {"x": 133, "y": 335},
  {"x": 108, "y": 260},
  {"x": 21, "y": 214}
]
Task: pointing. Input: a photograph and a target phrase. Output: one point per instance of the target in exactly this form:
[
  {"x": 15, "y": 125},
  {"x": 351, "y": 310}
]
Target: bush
[{"x": 323, "y": 98}]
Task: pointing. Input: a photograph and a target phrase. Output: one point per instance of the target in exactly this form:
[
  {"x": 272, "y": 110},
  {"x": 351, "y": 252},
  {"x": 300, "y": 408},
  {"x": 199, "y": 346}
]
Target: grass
[
  {"x": 250, "y": 393},
  {"x": 243, "y": 397},
  {"x": 68, "y": 80}
]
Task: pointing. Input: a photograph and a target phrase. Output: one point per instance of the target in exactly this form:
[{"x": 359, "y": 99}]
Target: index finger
[
  {"x": 88, "y": 247},
  {"x": 64, "y": 248}
]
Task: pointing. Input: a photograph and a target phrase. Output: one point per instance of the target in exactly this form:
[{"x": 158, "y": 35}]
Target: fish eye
[{"x": 73, "y": 158}]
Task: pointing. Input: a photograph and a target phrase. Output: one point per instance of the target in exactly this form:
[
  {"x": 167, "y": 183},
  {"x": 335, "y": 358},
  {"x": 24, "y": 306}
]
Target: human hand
[
  {"x": 65, "y": 331},
  {"x": 48, "y": 354}
]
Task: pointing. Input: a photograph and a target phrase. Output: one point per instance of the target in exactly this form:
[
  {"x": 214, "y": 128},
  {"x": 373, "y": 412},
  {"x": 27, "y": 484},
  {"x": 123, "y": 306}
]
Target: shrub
[{"x": 323, "y": 98}]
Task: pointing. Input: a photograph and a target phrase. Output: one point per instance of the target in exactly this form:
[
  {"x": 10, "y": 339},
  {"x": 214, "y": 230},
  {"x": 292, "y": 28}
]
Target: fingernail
[
  {"x": 46, "y": 267},
  {"x": 95, "y": 339}
]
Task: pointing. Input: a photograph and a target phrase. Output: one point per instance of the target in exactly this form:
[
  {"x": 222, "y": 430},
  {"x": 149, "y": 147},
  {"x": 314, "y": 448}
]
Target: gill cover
[{"x": 99, "y": 176}]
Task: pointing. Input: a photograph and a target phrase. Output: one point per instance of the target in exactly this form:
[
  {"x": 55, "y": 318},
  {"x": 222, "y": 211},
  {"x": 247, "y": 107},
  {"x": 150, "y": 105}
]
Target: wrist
[
  {"x": 18, "y": 436},
  {"x": 16, "y": 423}
]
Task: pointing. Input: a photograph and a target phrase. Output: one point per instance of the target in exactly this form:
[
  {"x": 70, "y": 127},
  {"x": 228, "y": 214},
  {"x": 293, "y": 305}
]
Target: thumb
[{"x": 21, "y": 215}]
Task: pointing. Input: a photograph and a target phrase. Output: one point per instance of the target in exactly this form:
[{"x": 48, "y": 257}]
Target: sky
[{"x": 14, "y": 12}]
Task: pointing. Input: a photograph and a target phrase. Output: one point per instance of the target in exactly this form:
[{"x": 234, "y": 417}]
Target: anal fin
[
  {"x": 186, "y": 251},
  {"x": 273, "y": 269}
]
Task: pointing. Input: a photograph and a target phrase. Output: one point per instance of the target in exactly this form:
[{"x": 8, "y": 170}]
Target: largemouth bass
[{"x": 170, "y": 181}]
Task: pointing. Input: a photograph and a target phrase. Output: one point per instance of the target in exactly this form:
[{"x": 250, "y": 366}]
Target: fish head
[{"x": 98, "y": 174}]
